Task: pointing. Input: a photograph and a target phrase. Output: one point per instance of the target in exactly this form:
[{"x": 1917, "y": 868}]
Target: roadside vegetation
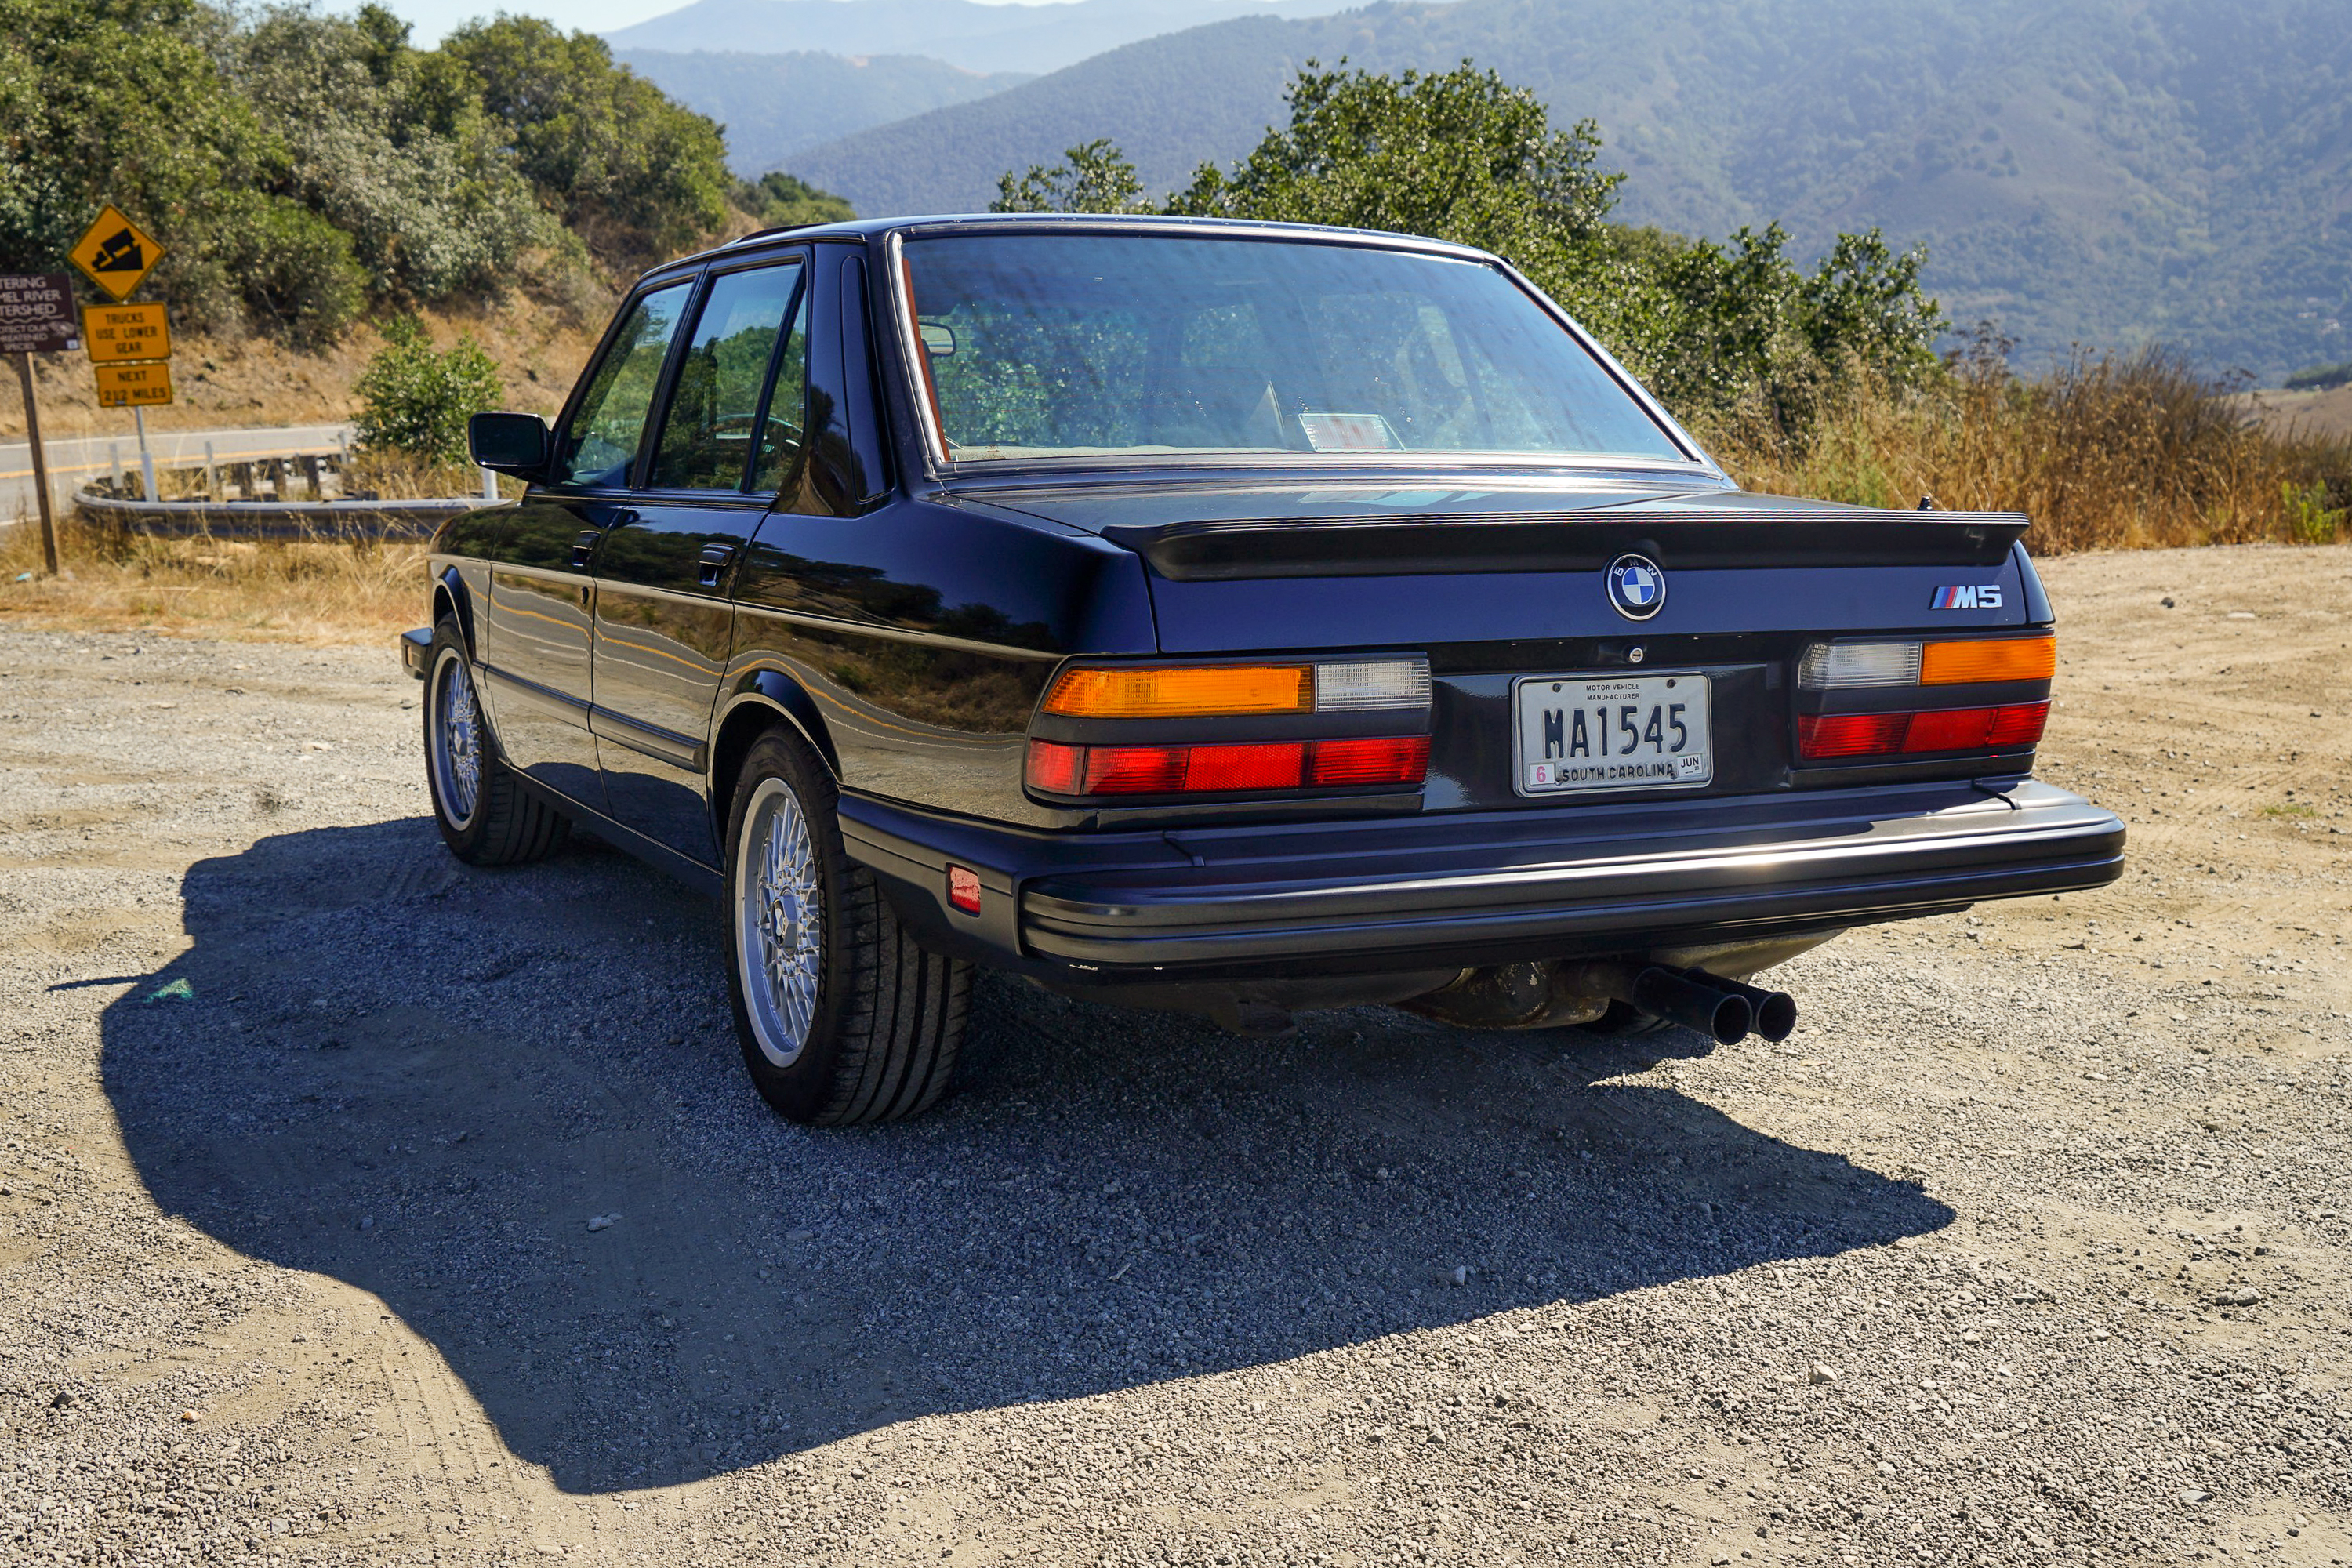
[
  {"x": 2105, "y": 451},
  {"x": 307, "y": 591},
  {"x": 1821, "y": 382},
  {"x": 303, "y": 168},
  {"x": 308, "y": 169}
]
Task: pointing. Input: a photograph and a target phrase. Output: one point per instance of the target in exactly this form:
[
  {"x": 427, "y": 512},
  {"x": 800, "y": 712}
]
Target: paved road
[{"x": 72, "y": 462}]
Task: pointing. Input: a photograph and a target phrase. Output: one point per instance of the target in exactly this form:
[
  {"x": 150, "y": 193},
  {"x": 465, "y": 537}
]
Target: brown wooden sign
[
  {"x": 36, "y": 313},
  {"x": 120, "y": 334}
]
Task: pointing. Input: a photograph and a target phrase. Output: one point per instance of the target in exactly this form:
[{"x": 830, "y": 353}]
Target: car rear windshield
[{"x": 1064, "y": 345}]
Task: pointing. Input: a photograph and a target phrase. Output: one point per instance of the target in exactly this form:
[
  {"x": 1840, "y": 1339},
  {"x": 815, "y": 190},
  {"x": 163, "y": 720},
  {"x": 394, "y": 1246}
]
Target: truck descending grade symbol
[
  {"x": 119, "y": 252},
  {"x": 116, "y": 253}
]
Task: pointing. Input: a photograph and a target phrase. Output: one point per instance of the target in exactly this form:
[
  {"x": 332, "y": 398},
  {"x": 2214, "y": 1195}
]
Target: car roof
[{"x": 866, "y": 229}]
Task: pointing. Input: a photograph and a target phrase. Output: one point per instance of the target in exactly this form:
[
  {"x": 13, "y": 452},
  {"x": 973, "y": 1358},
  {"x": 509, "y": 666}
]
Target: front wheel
[
  {"x": 486, "y": 816},
  {"x": 843, "y": 1019}
]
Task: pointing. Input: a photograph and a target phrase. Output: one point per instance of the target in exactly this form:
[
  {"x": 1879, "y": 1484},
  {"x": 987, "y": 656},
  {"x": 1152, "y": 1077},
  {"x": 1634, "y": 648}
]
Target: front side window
[
  {"x": 601, "y": 441},
  {"x": 715, "y": 427},
  {"x": 1139, "y": 345}
]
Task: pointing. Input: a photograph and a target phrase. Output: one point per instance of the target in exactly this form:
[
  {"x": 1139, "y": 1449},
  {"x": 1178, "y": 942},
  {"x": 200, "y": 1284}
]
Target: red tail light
[
  {"x": 1058, "y": 769},
  {"x": 1824, "y": 737}
]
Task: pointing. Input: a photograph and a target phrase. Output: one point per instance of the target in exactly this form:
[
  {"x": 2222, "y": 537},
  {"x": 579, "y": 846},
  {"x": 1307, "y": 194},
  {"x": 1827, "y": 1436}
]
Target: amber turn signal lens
[
  {"x": 1986, "y": 659},
  {"x": 1183, "y": 691}
]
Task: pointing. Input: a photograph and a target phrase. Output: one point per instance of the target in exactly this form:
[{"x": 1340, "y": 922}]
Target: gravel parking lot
[{"x": 358, "y": 1207}]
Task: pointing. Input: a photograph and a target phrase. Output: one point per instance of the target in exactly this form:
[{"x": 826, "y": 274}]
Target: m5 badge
[{"x": 1968, "y": 597}]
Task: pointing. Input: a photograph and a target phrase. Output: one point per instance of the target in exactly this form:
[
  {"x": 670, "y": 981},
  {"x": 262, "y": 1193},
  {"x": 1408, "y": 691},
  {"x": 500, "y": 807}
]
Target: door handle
[
  {"x": 584, "y": 546},
  {"x": 715, "y": 561}
]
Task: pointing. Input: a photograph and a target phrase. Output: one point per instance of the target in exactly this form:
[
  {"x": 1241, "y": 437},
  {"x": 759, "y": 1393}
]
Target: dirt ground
[
  {"x": 2324, "y": 414},
  {"x": 356, "y": 1207}
]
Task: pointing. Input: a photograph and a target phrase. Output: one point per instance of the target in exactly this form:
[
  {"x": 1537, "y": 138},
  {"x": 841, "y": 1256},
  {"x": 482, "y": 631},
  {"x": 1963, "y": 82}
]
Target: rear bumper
[{"x": 1486, "y": 888}]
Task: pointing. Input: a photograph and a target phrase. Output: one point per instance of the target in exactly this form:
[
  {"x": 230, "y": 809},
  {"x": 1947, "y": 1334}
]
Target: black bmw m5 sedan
[{"x": 1238, "y": 619}]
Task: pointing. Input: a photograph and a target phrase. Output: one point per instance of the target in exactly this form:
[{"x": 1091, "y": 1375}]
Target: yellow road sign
[
  {"x": 116, "y": 253},
  {"x": 132, "y": 386},
  {"x": 117, "y": 333}
]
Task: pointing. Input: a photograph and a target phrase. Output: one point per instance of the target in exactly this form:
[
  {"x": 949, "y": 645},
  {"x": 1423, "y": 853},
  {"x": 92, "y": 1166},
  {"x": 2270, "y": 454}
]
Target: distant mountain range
[
  {"x": 2104, "y": 171},
  {"x": 775, "y": 107},
  {"x": 1026, "y": 38}
]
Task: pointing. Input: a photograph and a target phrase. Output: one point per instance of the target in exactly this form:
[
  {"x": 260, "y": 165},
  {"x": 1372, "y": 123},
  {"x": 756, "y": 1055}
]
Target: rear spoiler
[{"x": 1569, "y": 542}]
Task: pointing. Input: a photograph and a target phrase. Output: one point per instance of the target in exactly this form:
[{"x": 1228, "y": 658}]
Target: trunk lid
[{"x": 1505, "y": 587}]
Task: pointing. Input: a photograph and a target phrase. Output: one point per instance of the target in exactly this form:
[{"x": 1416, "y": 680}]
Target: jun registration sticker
[{"x": 1585, "y": 732}]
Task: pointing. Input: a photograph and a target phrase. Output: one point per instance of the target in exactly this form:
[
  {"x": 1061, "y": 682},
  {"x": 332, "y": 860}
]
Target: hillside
[
  {"x": 2099, "y": 171},
  {"x": 774, "y": 106},
  {"x": 1169, "y": 102},
  {"x": 977, "y": 37}
]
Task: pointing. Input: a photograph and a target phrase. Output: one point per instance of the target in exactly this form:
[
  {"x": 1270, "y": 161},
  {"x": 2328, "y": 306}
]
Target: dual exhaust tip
[
  {"x": 1727, "y": 1011},
  {"x": 1553, "y": 991}
]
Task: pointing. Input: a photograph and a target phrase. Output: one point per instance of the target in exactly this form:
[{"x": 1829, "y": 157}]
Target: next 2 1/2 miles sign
[{"x": 36, "y": 313}]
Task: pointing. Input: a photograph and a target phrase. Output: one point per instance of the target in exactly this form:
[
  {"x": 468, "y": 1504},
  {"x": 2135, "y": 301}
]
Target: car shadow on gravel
[{"x": 508, "y": 1105}]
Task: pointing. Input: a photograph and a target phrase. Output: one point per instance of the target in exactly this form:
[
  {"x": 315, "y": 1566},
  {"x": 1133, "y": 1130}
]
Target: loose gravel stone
[{"x": 293, "y": 1268}]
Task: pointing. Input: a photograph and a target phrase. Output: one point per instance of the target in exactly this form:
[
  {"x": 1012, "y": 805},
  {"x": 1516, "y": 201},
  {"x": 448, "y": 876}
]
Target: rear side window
[
  {"x": 716, "y": 426},
  {"x": 783, "y": 431},
  {"x": 607, "y": 427}
]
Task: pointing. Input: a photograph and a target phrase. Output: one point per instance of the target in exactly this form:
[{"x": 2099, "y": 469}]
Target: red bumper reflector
[
  {"x": 963, "y": 889},
  {"x": 1057, "y": 769},
  {"x": 1827, "y": 737}
]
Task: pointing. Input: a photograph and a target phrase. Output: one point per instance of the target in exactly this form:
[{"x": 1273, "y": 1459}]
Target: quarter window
[
  {"x": 716, "y": 426},
  {"x": 601, "y": 441},
  {"x": 784, "y": 429}
]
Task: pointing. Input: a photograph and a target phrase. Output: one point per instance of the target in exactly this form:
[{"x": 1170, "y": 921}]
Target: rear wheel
[
  {"x": 844, "y": 1017},
  {"x": 486, "y": 816}
]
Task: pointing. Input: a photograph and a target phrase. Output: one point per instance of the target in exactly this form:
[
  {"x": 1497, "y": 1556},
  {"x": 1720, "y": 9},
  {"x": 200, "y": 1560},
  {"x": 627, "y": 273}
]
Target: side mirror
[{"x": 514, "y": 444}]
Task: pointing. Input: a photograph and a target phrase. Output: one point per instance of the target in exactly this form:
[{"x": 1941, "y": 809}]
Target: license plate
[{"x": 1585, "y": 732}]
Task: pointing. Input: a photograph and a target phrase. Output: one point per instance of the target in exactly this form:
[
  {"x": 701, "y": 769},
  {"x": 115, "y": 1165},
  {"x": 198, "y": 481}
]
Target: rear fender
[
  {"x": 763, "y": 699},
  {"x": 453, "y": 599}
]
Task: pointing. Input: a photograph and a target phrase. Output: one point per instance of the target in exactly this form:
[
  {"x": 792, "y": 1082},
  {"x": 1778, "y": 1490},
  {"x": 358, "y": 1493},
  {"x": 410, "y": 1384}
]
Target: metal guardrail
[
  {"x": 277, "y": 519},
  {"x": 76, "y": 460}
]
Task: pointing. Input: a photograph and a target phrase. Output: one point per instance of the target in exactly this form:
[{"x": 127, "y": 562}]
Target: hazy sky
[{"x": 431, "y": 18}]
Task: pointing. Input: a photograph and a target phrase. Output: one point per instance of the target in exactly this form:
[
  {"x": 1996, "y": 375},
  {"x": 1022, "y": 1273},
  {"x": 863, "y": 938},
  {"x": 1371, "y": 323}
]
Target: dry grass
[
  {"x": 2105, "y": 452},
  {"x": 296, "y": 590},
  {"x": 396, "y": 476}
]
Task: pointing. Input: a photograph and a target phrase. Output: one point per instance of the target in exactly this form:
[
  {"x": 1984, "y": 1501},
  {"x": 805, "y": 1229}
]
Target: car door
[
  {"x": 542, "y": 591},
  {"x": 662, "y": 624}
]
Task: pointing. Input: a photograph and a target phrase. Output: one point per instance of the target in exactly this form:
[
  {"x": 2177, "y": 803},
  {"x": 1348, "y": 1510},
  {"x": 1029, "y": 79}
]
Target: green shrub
[
  {"x": 783, "y": 201},
  {"x": 2310, "y": 520},
  {"x": 638, "y": 174},
  {"x": 2320, "y": 378},
  {"x": 416, "y": 400},
  {"x": 1092, "y": 178},
  {"x": 283, "y": 268}
]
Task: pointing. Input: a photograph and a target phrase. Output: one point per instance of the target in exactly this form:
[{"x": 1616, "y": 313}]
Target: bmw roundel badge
[{"x": 1636, "y": 587}]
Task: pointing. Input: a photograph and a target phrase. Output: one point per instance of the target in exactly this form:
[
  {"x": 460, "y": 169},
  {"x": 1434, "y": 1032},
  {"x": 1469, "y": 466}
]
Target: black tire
[
  {"x": 865, "y": 1024},
  {"x": 501, "y": 823}
]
